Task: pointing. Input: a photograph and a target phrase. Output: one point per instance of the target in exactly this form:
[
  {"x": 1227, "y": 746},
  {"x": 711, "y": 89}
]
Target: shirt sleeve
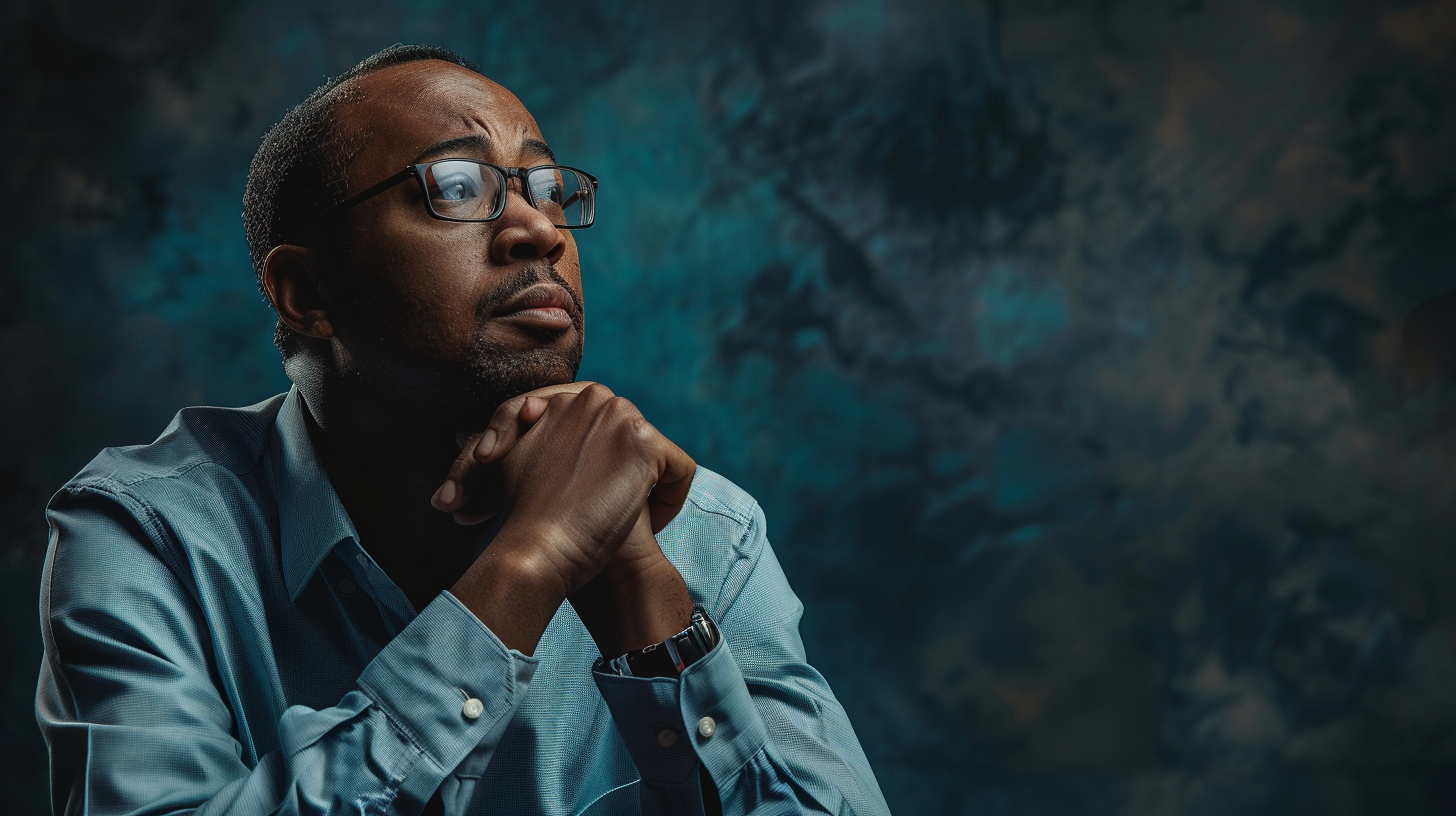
[
  {"x": 135, "y": 723},
  {"x": 757, "y": 717}
]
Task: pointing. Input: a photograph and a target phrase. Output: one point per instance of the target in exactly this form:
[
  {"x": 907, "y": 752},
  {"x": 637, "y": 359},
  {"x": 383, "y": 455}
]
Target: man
[{"x": 295, "y": 608}]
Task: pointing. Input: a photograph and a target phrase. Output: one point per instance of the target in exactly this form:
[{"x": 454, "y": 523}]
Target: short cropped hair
[{"x": 298, "y": 171}]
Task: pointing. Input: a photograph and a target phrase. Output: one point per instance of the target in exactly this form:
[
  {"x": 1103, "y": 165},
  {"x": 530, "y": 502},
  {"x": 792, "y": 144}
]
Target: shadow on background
[{"x": 1062, "y": 343}]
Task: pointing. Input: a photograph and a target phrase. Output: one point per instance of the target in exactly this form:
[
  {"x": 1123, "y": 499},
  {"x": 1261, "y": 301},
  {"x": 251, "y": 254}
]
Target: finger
[
  {"x": 587, "y": 402},
  {"x": 674, "y": 481},
  {"x": 466, "y": 519},
  {"x": 481, "y": 497},
  {"x": 533, "y": 409},
  {"x": 451, "y": 494},
  {"x": 514, "y": 417}
]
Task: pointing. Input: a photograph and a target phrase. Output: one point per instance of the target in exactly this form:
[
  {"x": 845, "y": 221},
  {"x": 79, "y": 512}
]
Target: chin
[{"x": 497, "y": 377}]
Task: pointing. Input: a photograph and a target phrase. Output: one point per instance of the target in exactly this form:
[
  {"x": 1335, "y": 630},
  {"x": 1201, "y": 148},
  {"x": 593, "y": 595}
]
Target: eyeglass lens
[
  {"x": 470, "y": 191},
  {"x": 563, "y": 194},
  {"x": 463, "y": 190}
]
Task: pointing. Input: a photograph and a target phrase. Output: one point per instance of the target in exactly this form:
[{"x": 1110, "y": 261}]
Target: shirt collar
[{"x": 311, "y": 520}]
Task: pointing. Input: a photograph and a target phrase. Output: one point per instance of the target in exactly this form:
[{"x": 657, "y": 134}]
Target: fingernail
[
  {"x": 486, "y": 446},
  {"x": 444, "y": 497}
]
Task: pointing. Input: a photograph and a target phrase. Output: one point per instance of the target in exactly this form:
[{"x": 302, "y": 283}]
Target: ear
[{"x": 296, "y": 292}]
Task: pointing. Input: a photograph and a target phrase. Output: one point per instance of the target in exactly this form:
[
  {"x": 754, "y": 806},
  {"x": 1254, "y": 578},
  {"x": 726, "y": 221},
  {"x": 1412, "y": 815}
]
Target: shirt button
[
  {"x": 707, "y": 727},
  {"x": 667, "y": 738},
  {"x": 362, "y": 559},
  {"x": 347, "y": 586},
  {"x": 472, "y": 709}
]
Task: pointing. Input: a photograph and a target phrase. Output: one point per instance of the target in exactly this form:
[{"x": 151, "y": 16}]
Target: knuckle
[
  {"x": 623, "y": 408},
  {"x": 640, "y": 428},
  {"x": 597, "y": 391}
]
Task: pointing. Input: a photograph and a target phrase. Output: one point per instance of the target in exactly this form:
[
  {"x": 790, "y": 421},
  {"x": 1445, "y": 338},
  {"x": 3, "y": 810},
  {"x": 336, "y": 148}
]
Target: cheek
[
  {"x": 569, "y": 267},
  {"x": 416, "y": 287}
]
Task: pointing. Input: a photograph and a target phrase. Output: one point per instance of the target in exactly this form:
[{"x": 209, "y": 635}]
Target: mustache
[{"x": 520, "y": 282}]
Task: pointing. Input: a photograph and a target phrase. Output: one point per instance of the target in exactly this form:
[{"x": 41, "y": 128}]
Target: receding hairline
[
  {"x": 405, "y": 82},
  {"x": 355, "y": 90}
]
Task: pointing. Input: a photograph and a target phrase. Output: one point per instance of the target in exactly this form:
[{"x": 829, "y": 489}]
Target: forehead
[{"x": 402, "y": 110}]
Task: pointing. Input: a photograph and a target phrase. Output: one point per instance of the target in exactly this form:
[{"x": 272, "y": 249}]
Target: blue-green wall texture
[{"x": 1061, "y": 342}]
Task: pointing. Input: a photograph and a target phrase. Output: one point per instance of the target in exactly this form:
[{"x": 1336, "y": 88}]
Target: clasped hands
[{"x": 586, "y": 481}]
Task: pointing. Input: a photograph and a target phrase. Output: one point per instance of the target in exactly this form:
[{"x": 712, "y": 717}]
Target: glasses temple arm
[{"x": 376, "y": 189}]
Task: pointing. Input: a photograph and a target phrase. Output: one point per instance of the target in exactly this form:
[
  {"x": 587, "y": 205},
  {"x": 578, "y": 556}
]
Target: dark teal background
[{"x": 1061, "y": 343}]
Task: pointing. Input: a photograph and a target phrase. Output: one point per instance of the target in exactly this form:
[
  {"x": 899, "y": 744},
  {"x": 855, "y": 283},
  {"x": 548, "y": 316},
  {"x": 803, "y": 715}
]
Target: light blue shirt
[{"x": 216, "y": 638}]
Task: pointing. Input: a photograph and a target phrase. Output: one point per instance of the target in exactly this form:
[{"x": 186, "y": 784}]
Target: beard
[{"x": 495, "y": 373}]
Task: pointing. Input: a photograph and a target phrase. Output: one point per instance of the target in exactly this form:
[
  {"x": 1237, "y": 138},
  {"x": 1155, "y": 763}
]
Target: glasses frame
[{"x": 417, "y": 171}]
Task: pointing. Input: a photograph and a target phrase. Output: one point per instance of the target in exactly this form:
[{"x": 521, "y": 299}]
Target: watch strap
[{"x": 670, "y": 657}]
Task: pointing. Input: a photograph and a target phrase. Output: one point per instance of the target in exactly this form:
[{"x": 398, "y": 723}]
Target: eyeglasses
[{"x": 468, "y": 190}]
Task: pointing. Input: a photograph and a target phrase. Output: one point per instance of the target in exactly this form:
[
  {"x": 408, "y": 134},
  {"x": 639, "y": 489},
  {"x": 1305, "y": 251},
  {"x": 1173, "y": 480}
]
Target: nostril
[{"x": 525, "y": 250}]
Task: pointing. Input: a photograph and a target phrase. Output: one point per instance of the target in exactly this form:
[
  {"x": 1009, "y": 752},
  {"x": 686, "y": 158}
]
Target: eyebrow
[{"x": 479, "y": 144}]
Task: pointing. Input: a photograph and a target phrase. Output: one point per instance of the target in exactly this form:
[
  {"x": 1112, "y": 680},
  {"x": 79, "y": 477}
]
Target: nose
[{"x": 525, "y": 233}]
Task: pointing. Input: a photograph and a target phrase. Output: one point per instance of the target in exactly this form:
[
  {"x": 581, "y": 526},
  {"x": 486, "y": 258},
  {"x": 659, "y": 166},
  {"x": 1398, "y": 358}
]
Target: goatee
[{"x": 497, "y": 374}]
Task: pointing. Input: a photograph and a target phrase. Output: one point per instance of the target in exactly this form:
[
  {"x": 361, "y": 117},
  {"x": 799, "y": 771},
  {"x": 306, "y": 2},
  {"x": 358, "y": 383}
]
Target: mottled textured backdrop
[{"x": 1061, "y": 342}]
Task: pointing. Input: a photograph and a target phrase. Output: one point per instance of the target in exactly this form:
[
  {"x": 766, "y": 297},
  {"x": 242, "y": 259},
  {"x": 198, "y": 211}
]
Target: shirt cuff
[
  {"x": 708, "y": 712},
  {"x": 713, "y": 690},
  {"x": 443, "y": 667}
]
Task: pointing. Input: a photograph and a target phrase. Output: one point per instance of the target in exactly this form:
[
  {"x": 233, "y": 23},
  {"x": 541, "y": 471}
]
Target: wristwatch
[{"x": 670, "y": 657}]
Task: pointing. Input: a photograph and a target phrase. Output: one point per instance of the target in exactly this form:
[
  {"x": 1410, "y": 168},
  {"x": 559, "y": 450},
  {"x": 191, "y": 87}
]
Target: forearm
[
  {"x": 640, "y": 598},
  {"x": 386, "y": 745},
  {"x": 512, "y": 588}
]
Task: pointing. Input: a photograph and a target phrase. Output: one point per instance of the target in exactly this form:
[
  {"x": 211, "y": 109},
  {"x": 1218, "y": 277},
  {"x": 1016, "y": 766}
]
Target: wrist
[
  {"x": 533, "y": 555},
  {"x": 514, "y": 589},
  {"x": 670, "y": 657},
  {"x": 634, "y": 604},
  {"x": 628, "y": 573}
]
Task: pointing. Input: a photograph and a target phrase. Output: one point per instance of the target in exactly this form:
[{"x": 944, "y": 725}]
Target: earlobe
[
  {"x": 296, "y": 292},
  {"x": 320, "y": 326}
]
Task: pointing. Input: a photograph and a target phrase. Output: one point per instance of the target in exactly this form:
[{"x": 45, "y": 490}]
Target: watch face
[{"x": 652, "y": 661}]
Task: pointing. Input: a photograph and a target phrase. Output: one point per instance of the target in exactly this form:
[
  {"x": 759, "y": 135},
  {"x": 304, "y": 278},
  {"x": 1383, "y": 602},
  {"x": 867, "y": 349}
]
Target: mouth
[{"x": 543, "y": 307}]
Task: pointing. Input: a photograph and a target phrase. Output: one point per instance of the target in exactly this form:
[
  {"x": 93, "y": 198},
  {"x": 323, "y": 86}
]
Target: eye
[
  {"x": 459, "y": 186},
  {"x": 546, "y": 190},
  {"x": 456, "y": 187}
]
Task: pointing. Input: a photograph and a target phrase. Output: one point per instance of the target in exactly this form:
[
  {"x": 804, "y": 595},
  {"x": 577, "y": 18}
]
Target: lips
[{"x": 545, "y": 306}]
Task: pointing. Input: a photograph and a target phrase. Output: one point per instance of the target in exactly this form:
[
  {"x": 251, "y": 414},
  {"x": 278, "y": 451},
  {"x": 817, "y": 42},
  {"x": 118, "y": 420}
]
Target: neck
[{"x": 385, "y": 462}]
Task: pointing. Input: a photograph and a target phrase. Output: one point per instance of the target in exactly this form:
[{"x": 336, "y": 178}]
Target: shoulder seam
[
  {"x": 167, "y": 550},
  {"x": 720, "y": 509},
  {"x": 128, "y": 471},
  {"x": 711, "y": 498},
  {"x": 114, "y": 484}
]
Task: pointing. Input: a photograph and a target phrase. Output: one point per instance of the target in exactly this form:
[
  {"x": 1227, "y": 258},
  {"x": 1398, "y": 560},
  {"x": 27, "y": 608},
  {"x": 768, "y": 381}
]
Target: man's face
[{"x": 447, "y": 316}]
